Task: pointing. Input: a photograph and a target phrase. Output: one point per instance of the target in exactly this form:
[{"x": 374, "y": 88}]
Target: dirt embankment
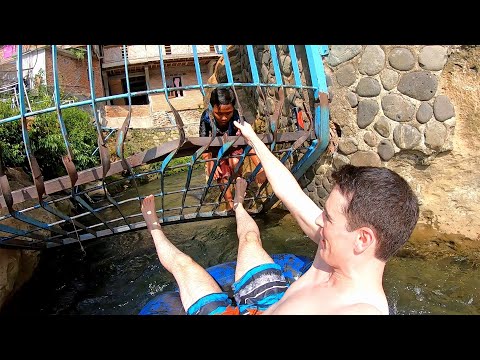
[
  {"x": 16, "y": 266},
  {"x": 449, "y": 186}
]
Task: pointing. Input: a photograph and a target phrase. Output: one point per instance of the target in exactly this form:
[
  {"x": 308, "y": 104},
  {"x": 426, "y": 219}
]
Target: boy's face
[{"x": 223, "y": 114}]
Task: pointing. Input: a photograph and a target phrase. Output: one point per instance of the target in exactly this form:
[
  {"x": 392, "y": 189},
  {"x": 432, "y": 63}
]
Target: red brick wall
[{"x": 73, "y": 74}]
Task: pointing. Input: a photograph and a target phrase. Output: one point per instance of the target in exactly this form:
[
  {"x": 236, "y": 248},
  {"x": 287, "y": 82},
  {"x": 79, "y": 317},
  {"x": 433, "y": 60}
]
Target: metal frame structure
[{"x": 110, "y": 217}]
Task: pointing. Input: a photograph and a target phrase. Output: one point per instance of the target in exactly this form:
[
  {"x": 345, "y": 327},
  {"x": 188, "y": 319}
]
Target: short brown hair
[{"x": 381, "y": 199}]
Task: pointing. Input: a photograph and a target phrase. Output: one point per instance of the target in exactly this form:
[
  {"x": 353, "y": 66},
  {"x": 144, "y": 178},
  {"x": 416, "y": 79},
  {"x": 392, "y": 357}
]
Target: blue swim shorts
[{"x": 256, "y": 291}]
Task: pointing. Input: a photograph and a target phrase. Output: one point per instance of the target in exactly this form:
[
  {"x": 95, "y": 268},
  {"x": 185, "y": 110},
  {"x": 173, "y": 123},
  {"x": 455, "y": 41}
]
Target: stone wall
[
  {"x": 256, "y": 111},
  {"x": 386, "y": 104},
  {"x": 395, "y": 103},
  {"x": 413, "y": 109}
]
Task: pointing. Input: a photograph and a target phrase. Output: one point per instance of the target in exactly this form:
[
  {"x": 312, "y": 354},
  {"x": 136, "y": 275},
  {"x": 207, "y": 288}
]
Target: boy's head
[{"x": 223, "y": 105}]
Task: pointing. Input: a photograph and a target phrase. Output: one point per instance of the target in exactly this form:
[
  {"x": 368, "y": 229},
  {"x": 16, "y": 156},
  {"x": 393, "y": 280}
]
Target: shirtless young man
[{"x": 369, "y": 215}]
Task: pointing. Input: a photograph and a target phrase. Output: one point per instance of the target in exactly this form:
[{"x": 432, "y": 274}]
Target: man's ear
[{"x": 365, "y": 238}]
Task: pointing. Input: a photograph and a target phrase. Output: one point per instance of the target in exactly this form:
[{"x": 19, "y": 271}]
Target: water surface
[{"x": 120, "y": 274}]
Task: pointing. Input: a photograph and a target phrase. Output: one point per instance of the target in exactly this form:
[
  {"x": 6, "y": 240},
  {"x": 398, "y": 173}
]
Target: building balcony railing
[{"x": 114, "y": 55}]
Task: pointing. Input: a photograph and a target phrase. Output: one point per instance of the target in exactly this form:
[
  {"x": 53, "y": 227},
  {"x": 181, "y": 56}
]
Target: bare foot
[
  {"x": 149, "y": 214},
  {"x": 229, "y": 207},
  {"x": 261, "y": 177},
  {"x": 240, "y": 190}
]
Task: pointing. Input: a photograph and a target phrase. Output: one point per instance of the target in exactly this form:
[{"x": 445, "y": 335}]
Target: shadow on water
[{"x": 120, "y": 274}]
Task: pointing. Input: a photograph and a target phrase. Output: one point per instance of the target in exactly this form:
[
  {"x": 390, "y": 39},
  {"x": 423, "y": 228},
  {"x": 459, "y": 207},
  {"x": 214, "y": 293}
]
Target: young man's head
[
  {"x": 223, "y": 105},
  {"x": 367, "y": 204}
]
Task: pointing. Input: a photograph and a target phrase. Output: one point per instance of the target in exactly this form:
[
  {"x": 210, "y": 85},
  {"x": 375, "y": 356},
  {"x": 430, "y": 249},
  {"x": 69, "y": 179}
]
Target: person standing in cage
[{"x": 224, "y": 114}]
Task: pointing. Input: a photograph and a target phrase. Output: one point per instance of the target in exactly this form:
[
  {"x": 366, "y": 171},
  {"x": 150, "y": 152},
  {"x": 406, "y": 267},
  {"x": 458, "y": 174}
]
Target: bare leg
[
  {"x": 193, "y": 281},
  {"x": 233, "y": 162},
  {"x": 261, "y": 177},
  {"x": 227, "y": 195},
  {"x": 250, "y": 250}
]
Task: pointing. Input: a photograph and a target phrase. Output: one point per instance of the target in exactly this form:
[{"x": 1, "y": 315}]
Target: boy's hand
[{"x": 218, "y": 173}]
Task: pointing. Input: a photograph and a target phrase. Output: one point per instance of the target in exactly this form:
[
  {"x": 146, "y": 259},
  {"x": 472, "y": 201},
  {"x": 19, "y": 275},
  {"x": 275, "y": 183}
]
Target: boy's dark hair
[
  {"x": 382, "y": 200},
  {"x": 222, "y": 96}
]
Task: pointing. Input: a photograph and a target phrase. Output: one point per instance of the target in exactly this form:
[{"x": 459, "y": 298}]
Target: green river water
[{"x": 120, "y": 274}]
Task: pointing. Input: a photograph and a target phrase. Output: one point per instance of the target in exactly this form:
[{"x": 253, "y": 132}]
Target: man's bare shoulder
[{"x": 360, "y": 309}]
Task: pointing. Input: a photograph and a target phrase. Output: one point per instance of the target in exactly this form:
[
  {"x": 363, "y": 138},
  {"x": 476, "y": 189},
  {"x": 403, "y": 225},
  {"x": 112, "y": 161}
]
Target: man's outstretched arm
[{"x": 284, "y": 184}]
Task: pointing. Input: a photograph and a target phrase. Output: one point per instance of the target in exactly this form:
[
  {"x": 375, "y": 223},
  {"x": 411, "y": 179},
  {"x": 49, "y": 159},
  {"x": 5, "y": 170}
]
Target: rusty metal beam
[{"x": 154, "y": 154}]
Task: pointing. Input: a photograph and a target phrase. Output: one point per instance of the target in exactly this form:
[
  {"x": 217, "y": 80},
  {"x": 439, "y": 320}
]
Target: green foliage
[
  {"x": 13, "y": 152},
  {"x": 78, "y": 53},
  {"x": 46, "y": 138}
]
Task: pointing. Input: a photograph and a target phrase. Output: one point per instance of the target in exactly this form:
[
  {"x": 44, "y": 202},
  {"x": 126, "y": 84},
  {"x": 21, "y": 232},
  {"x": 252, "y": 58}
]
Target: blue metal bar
[
  {"x": 253, "y": 65},
  {"x": 105, "y": 160},
  {"x": 146, "y": 92},
  {"x": 226, "y": 60},
  {"x": 197, "y": 68},
  {"x": 171, "y": 154},
  {"x": 319, "y": 81},
  {"x": 127, "y": 77},
  {"x": 42, "y": 203},
  {"x": 296, "y": 71},
  {"x": 221, "y": 152},
  {"x": 230, "y": 179},
  {"x": 227, "y": 144},
  {"x": 307, "y": 160},
  {"x": 91, "y": 79},
  {"x": 122, "y": 133},
  {"x": 202, "y": 86},
  {"x": 323, "y": 50},
  {"x": 213, "y": 125},
  {"x": 30, "y": 155},
  {"x": 273, "y": 127},
  {"x": 200, "y": 151},
  {"x": 318, "y": 126},
  {"x": 112, "y": 131},
  {"x": 274, "y": 120},
  {"x": 181, "y": 140},
  {"x": 241, "y": 160},
  {"x": 69, "y": 156},
  {"x": 318, "y": 146},
  {"x": 56, "y": 92},
  {"x": 17, "y": 232},
  {"x": 276, "y": 67}
]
